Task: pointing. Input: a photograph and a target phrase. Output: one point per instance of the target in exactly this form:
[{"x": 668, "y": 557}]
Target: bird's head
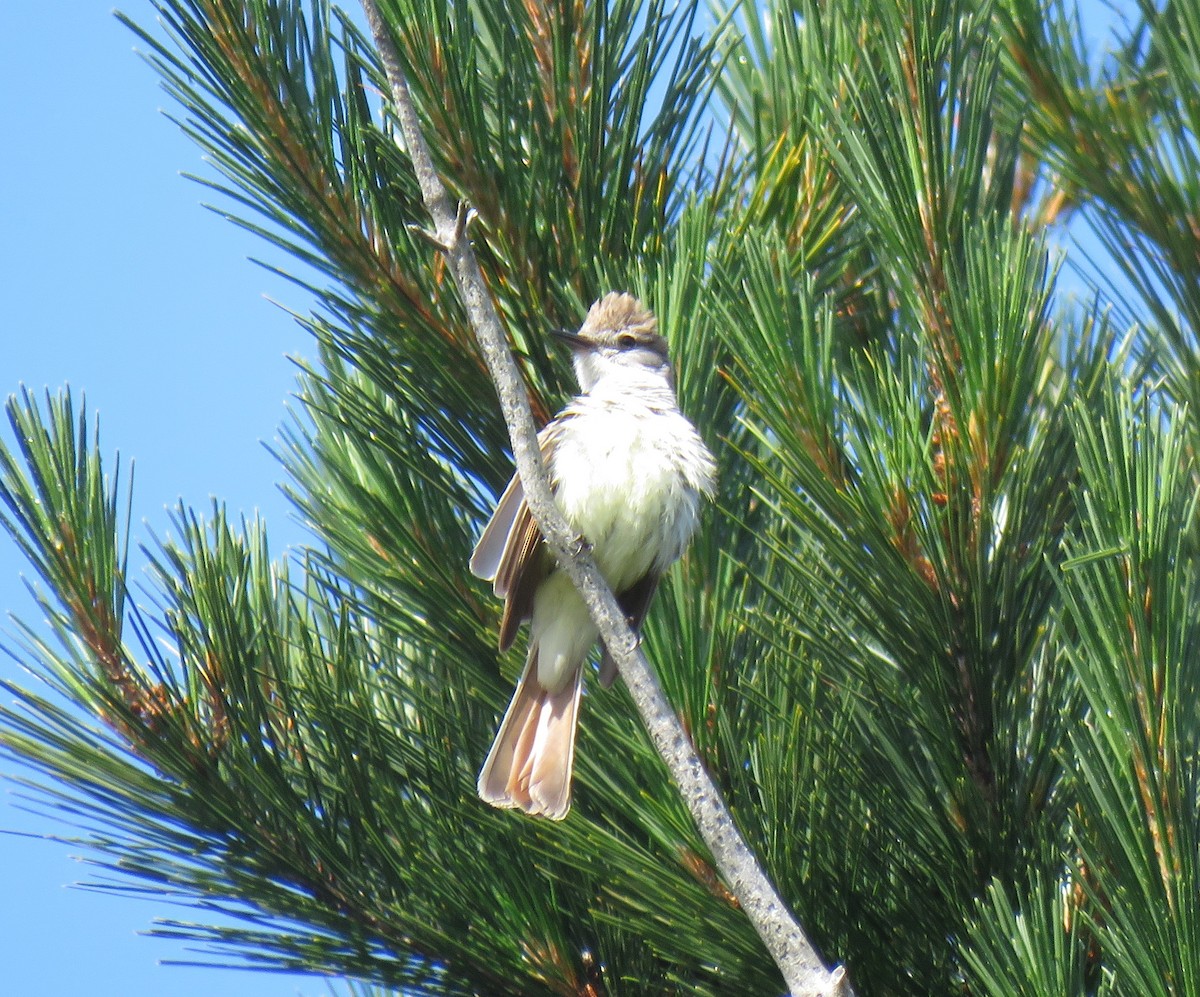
[{"x": 619, "y": 339}]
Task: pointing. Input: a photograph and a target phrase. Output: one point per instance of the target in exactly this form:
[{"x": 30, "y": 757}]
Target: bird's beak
[{"x": 572, "y": 339}]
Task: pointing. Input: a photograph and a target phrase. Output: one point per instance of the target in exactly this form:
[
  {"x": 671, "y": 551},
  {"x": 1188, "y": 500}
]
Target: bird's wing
[
  {"x": 510, "y": 551},
  {"x": 485, "y": 560},
  {"x": 635, "y": 603}
]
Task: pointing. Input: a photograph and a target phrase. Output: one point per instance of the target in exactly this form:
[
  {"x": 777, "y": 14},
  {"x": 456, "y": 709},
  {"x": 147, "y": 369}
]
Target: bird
[{"x": 629, "y": 472}]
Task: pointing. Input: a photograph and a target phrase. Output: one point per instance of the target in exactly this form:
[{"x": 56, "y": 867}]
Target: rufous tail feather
[{"x": 529, "y": 766}]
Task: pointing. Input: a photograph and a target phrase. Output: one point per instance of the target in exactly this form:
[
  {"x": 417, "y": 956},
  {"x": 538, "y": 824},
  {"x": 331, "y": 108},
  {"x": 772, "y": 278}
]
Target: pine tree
[{"x": 937, "y": 638}]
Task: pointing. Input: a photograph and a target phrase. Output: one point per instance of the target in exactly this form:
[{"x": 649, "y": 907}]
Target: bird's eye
[{"x": 626, "y": 341}]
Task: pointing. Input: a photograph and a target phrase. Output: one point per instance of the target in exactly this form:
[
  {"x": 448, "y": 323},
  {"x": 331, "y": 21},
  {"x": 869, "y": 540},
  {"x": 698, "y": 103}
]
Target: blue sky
[{"x": 117, "y": 282}]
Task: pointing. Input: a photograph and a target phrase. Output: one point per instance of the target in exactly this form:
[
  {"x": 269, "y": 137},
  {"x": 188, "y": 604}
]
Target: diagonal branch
[{"x": 793, "y": 953}]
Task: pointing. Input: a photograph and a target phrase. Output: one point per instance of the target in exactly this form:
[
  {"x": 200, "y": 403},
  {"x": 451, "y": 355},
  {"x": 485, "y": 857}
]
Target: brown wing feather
[
  {"x": 485, "y": 560},
  {"x": 635, "y": 604},
  {"x": 519, "y": 566},
  {"x": 524, "y": 566}
]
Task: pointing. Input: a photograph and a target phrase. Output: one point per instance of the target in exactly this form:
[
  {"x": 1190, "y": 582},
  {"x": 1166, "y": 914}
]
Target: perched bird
[{"x": 628, "y": 471}]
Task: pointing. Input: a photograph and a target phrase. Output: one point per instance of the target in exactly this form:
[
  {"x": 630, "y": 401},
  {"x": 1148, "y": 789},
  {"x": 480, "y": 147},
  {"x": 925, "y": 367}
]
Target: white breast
[{"x": 629, "y": 478}]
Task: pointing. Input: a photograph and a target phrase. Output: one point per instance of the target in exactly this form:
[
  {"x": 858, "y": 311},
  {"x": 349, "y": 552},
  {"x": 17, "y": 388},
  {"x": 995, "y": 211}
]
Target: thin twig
[{"x": 796, "y": 957}]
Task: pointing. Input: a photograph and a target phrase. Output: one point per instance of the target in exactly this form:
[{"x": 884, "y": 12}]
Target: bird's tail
[{"x": 529, "y": 766}]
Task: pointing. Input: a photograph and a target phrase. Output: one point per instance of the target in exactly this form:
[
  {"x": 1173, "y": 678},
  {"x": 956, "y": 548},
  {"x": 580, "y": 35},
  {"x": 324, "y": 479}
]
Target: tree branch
[{"x": 794, "y": 954}]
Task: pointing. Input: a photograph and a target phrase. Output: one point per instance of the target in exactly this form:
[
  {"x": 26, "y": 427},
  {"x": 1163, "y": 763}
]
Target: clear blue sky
[{"x": 116, "y": 282}]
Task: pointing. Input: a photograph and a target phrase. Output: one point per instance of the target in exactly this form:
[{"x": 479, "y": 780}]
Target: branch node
[
  {"x": 466, "y": 215},
  {"x": 424, "y": 235}
]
